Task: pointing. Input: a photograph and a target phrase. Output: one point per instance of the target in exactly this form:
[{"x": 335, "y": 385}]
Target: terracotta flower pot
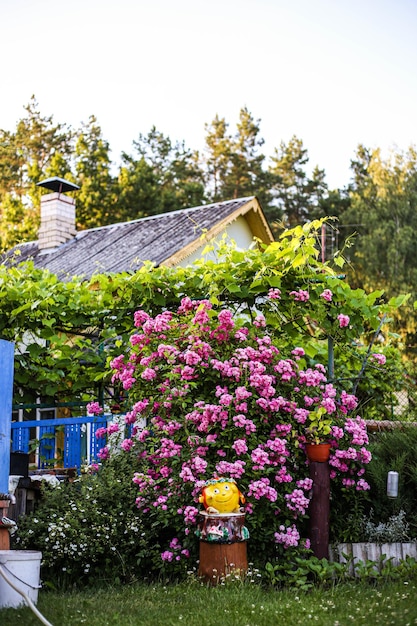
[{"x": 318, "y": 452}]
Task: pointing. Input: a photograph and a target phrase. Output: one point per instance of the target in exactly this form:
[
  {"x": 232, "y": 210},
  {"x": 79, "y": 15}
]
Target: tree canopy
[{"x": 375, "y": 211}]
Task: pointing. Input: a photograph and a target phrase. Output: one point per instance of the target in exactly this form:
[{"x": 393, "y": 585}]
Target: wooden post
[
  {"x": 6, "y": 393},
  {"x": 319, "y": 509}
]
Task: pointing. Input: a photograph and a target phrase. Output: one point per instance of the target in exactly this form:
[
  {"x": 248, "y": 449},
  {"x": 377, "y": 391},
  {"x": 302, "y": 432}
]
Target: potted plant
[{"x": 318, "y": 428}]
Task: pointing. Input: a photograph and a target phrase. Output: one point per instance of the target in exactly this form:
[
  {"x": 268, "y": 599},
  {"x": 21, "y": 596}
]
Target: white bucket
[{"x": 22, "y": 568}]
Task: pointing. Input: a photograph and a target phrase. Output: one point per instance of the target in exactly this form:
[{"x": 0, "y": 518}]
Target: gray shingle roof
[{"x": 126, "y": 246}]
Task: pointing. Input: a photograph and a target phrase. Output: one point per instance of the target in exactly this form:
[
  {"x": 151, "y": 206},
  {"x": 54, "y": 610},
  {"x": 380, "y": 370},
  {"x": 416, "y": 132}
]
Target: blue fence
[{"x": 71, "y": 440}]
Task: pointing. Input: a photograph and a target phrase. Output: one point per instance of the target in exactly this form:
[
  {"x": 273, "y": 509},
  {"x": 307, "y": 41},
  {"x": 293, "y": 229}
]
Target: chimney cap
[{"x": 57, "y": 184}]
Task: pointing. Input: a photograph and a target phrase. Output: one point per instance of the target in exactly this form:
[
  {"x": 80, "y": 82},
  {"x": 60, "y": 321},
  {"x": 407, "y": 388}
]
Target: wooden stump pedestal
[
  {"x": 223, "y": 546},
  {"x": 218, "y": 560}
]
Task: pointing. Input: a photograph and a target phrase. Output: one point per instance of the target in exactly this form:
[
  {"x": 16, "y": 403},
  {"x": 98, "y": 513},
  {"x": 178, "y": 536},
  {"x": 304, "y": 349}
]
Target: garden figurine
[{"x": 221, "y": 495}]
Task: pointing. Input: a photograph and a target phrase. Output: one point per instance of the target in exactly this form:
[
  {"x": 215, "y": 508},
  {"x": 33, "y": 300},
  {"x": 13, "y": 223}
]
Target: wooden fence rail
[{"x": 71, "y": 441}]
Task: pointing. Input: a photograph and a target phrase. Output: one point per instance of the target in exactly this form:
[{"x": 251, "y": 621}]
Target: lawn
[{"x": 235, "y": 605}]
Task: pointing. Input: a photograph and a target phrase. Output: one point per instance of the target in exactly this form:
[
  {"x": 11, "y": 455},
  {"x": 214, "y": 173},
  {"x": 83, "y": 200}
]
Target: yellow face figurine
[{"x": 221, "y": 495}]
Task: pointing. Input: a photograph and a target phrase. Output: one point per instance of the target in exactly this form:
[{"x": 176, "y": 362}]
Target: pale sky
[{"x": 335, "y": 73}]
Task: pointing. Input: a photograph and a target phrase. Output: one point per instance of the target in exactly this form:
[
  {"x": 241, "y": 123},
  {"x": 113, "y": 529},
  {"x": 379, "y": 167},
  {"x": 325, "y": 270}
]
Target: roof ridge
[{"x": 159, "y": 215}]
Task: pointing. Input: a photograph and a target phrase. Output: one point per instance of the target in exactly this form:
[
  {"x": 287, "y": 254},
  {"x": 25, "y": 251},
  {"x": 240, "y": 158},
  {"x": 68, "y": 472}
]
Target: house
[{"x": 174, "y": 238}]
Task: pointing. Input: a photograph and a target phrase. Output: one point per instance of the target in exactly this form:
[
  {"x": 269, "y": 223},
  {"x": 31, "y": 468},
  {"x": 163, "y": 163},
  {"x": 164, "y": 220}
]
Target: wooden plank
[
  {"x": 373, "y": 552},
  {"x": 72, "y": 438},
  {"x": 359, "y": 552},
  {"x": 72, "y": 445},
  {"x": 62, "y": 421},
  {"x": 46, "y": 444},
  {"x": 20, "y": 439},
  {"x": 4, "y": 539},
  {"x": 392, "y": 551},
  {"x": 409, "y": 549},
  {"x": 6, "y": 392}
]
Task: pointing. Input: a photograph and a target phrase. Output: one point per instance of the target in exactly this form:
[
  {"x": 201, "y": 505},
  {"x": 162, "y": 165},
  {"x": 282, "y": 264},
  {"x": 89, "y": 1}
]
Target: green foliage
[
  {"x": 88, "y": 531},
  {"x": 382, "y": 211},
  {"x": 296, "y": 194},
  {"x": 65, "y": 332},
  {"x": 347, "y": 513},
  {"x": 160, "y": 176},
  {"x": 373, "y": 516},
  {"x": 395, "y": 529},
  {"x": 38, "y": 148},
  {"x": 394, "y": 451},
  {"x": 306, "y": 573},
  {"x": 96, "y": 198},
  {"x": 382, "y": 602}
]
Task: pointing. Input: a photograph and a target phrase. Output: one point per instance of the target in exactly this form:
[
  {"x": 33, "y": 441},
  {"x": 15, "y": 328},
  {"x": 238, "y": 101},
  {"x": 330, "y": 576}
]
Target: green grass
[{"x": 235, "y": 605}]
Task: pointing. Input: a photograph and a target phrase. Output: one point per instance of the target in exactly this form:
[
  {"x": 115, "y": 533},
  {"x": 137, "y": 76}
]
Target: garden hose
[{"x": 25, "y": 596}]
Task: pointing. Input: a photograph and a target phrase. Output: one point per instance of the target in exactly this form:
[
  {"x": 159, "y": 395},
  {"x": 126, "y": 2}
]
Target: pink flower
[
  {"x": 300, "y": 296},
  {"x": 362, "y": 485},
  {"x": 101, "y": 432},
  {"x": 93, "y": 408},
  {"x": 235, "y": 470},
  {"x": 103, "y": 454},
  {"x": 305, "y": 483},
  {"x": 240, "y": 446},
  {"x": 140, "y": 317},
  {"x": 226, "y": 319},
  {"x": 148, "y": 374},
  {"x": 190, "y": 514},
  {"x": 259, "y": 321},
  {"x": 274, "y": 294},
  {"x": 298, "y": 352},
  {"x": 297, "y": 501},
  {"x": 127, "y": 444},
  {"x": 379, "y": 358},
  {"x": 327, "y": 295},
  {"x": 349, "y": 401},
  {"x": 288, "y": 537},
  {"x": 343, "y": 320},
  {"x": 260, "y": 458}
]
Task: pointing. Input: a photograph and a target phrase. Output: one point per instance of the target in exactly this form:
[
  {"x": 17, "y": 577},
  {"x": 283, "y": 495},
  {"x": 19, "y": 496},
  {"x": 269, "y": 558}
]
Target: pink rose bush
[{"x": 212, "y": 394}]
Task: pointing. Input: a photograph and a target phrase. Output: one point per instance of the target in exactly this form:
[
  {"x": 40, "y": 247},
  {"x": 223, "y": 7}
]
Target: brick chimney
[{"x": 57, "y": 214}]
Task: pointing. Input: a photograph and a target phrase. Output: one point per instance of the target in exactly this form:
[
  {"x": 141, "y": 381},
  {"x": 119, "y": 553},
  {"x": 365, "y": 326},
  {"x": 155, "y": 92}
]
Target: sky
[{"x": 334, "y": 73}]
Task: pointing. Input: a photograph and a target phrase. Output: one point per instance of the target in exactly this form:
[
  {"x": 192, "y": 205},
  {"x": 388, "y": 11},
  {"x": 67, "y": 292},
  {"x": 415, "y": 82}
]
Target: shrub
[
  {"x": 372, "y": 518},
  {"x": 89, "y": 531},
  {"x": 394, "y": 450},
  {"x": 211, "y": 394},
  {"x": 395, "y": 529}
]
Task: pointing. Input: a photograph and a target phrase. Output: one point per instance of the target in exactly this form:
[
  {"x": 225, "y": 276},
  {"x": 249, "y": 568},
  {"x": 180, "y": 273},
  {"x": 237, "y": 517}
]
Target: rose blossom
[{"x": 343, "y": 320}]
